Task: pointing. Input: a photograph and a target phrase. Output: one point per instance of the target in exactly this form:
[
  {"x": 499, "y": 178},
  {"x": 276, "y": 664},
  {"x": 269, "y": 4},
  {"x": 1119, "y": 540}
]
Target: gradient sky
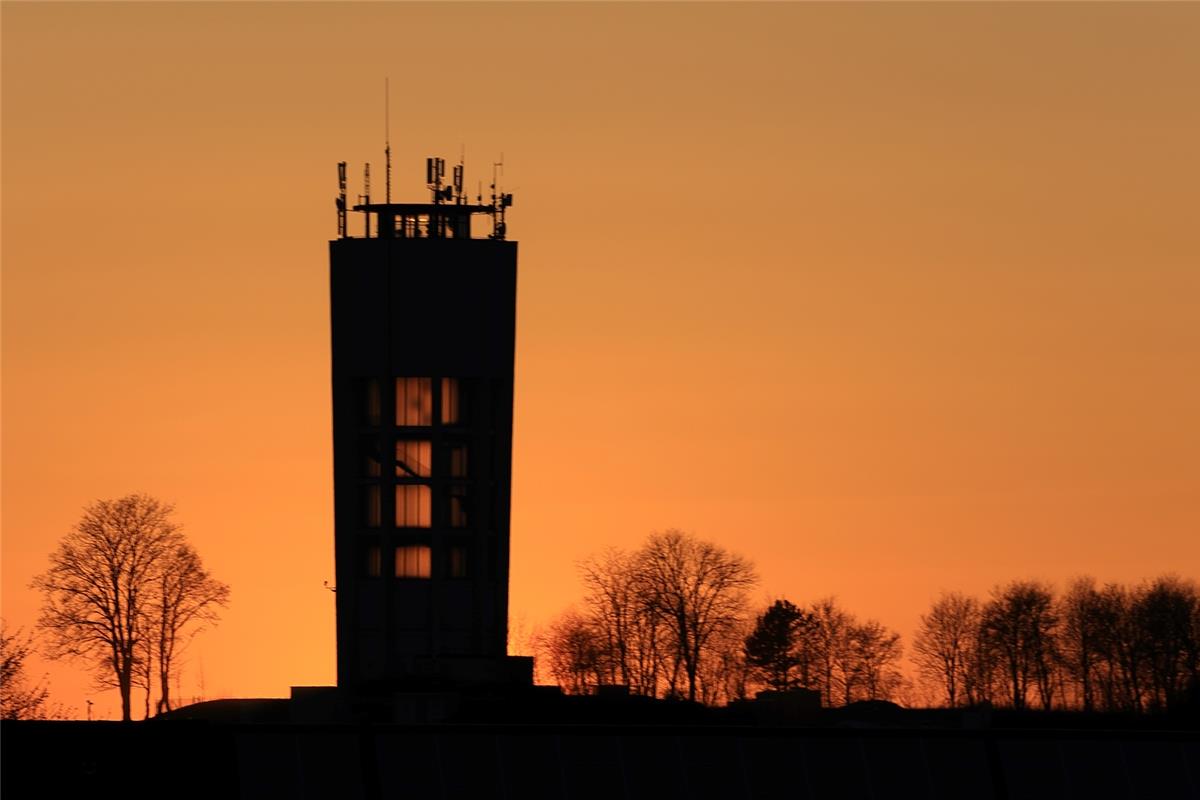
[{"x": 888, "y": 298}]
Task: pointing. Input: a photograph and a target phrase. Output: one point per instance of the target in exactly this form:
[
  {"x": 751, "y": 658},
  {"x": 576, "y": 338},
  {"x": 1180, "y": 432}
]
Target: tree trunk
[
  {"x": 690, "y": 665},
  {"x": 126, "y": 686},
  {"x": 164, "y": 700}
]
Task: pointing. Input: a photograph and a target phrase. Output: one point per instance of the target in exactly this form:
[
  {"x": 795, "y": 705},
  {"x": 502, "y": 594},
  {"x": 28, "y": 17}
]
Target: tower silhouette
[{"x": 423, "y": 322}]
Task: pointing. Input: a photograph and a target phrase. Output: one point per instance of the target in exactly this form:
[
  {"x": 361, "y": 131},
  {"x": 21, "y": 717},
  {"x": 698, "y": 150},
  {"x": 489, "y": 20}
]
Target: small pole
[{"x": 387, "y": 141}]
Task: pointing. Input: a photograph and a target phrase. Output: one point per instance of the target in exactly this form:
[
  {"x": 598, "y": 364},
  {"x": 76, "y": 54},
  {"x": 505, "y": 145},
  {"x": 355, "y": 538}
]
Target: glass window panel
[
  {"x": 374, "y": 561},
  {"x": 413, "y": 506},
  {"x": 459, "y": 507},
  {"x": 372, "y": 402},
  {"x": 450, "y": 401},
  {"x": 413, "y": 459},
  {"x": 414, "y": 401},
  {"x": 458, "y": 562},
  {"x": 412, "y": 561},
  {"x": 372, "y": 511},
  {"x": 458, "y": 460}
]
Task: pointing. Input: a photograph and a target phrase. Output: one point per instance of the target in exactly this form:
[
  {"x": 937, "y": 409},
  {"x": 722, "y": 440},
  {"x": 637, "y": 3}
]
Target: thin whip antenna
[{"x": 387, "y": 140}]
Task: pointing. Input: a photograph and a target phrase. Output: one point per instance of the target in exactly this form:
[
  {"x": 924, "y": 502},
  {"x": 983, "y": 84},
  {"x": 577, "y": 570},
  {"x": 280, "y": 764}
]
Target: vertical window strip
[
  {"x": 450, "y": 401},
  {"x": 413, "y": 561},
  {"x": 413, "y": 506},
  {"x": 414, "y": 401},
  {"x": 413, "y": 459}
]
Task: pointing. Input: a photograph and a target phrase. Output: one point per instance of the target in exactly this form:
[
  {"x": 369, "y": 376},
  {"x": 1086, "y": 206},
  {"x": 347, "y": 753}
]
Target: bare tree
[
  {"x": 185, "y": 597},
  {"x": 725, "y": 676},
  {"x": 942, "y": 647},
  {"x": 874, "y": 653},
  {"x": 980, "y": 678},
  {"x": 1164, "y": 612},
  {"x": 1129, "y": 647},
  {"x": 1109, "y": 609},
  {"x": 1020, "y": 625},
  {"x": 631, "y": 635},
  {"x": 114, "y": 586},
  {"x": 613, "y": 603},
  {"x": 572, "y": 651},
  {"x": 1081, "y": 638},
  {"x": 20, "y": 696},
  {"x": 646, "y": 659},
  {"x": 698, "y": 591},
  {"x": 827, "y": 636}
]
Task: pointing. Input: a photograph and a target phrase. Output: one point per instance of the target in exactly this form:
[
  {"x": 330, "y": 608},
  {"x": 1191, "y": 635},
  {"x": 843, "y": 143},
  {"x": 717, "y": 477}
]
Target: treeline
[
  {"x": 672, "y": 619},
  {"x": 1105, "y": 648},
  {"x": 824, "y": 648},
  {"x": 665, "y": 620}
]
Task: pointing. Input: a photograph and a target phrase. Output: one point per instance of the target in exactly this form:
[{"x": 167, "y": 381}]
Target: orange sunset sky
[{"x": 889, "y": 298}]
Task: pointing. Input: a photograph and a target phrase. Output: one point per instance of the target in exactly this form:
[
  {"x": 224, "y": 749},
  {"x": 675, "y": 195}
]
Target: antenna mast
[
  {"x": 500, "y": 201},
  {"x": 367, "y": 199},
  {"x": 341, "y": 200},
  {"x": 387, "y": 140}
]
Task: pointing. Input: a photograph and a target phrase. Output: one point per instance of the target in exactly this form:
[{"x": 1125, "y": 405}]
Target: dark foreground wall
[{"x": 199, "y": 759}]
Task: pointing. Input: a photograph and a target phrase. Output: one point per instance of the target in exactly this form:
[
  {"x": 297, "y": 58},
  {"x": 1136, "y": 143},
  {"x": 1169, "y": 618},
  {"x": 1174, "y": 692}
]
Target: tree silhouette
[
  {"x": 943, "y": 645},
  {"x": 726, "y": 676},
  {"x": 1081, "y": 637},
  {"x": 112, "y": 588},
  {"x": 573, "y": 652},
  {"x": 698, "y": 591},
  {"x": 632, "y": 636},
  {"x": 20, "y": 696},
  {"x": 1166, "y": 613},
  {"x": 184, "y": 597},
  {"x": 1020, "y": 625},
  {"x": 653, "y": 619},
  {"x": 828, "y": 636},
  {"x": 772, "y": 648},
  {"x": 874, "y": 652}
]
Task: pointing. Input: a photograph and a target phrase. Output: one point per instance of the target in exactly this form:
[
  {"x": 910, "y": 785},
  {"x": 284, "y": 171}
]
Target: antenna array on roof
[{"x": 449, "y": 214}]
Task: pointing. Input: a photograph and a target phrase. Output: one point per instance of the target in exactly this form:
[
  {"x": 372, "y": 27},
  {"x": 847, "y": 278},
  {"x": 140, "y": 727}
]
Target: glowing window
[
  {"x": 459, "y": 507},
  {"x": 450, "y": 401},
  {"x": 412, "y": 561},
  {"x": 372, "y": 402},
  {"x": 374, "y": 563},
  {"x": 414, "y": 401},
  {"x": 412, "y": 506},
  {"x": 372, "y": 508},
  {"x": 413, "y": 459},
  {"x": 457, "y": 456}
]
